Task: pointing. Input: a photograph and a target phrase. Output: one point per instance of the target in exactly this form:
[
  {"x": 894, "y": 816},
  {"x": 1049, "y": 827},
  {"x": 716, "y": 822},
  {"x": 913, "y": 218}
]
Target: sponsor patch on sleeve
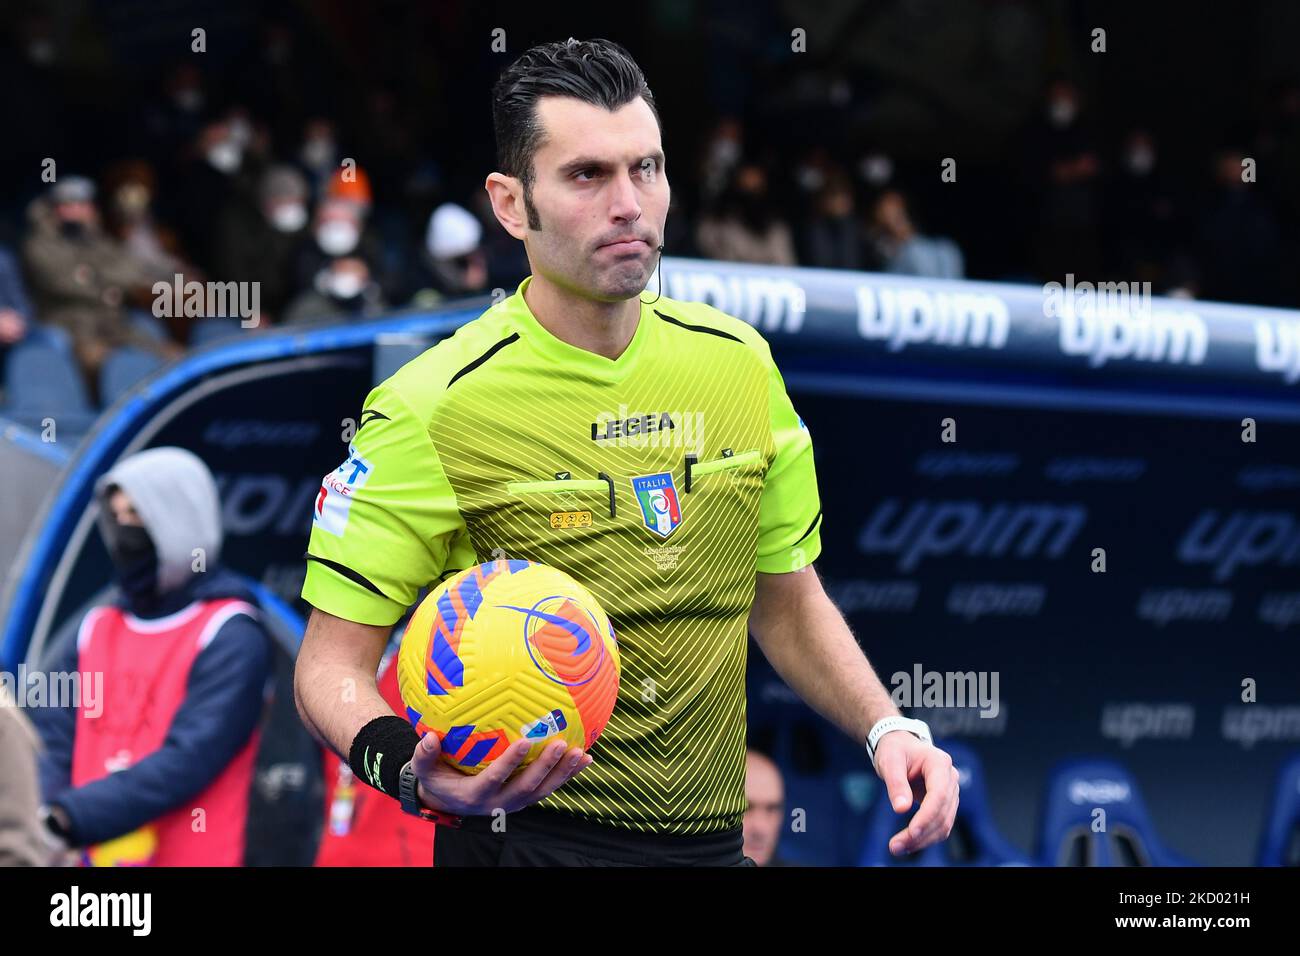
[{"x": 337, "y": 490}]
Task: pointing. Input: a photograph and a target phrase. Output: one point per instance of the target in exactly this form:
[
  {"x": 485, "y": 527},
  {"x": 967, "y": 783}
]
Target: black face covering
[
  {"x": 73, "y": 230},
  {"x": 135, "y": 565}
]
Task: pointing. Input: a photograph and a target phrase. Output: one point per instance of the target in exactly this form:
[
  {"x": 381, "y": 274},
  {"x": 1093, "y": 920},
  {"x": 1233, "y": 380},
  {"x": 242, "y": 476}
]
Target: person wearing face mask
[
  {"x": 81, "y": 279},
  {"x": 342, "y": 289},
  {"x": 319, "y": 154},
  {"x": 1065, "y": 188},
  {"x": 339, "y": 229},
  {"x": 259, "y": 240},
  {"x": 131, "y": 187},
  {"x": 184, "y": 661},
  {"x": 720, "y": 157},
  {"x": 745, "y": 227},
  {"x": 1143, "y": 225}
]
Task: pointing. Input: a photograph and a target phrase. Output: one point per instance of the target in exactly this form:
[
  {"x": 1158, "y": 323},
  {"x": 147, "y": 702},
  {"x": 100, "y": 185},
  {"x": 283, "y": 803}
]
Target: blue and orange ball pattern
[{"x": 506, "y": 650}]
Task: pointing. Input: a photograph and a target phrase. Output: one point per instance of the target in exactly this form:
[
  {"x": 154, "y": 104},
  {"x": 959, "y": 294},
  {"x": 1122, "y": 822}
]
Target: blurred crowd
[{"x": 240, "y": 175}]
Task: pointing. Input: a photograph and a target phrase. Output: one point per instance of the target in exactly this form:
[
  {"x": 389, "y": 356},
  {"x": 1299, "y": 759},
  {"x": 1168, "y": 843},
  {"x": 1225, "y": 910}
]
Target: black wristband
[{"x": 380, "y": 751}]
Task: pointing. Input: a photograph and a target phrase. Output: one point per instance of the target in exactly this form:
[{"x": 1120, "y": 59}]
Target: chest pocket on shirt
[
  {"x": 700, "y": 474},
  {"x": 570, "y": 502}
]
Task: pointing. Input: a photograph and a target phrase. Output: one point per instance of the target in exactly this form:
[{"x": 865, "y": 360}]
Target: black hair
[{"x": 599, "y": 72}]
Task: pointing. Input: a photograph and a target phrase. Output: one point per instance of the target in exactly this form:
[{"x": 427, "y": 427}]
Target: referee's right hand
[{"x": 445, "y": 788}]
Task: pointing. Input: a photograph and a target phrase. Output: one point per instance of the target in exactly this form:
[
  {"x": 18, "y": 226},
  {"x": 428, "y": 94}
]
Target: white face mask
[
  {"x": 337, "y": 238},
  {"x": 1061, "y": 112},
  {"x": 317, "y": 153},
  {"x": 240, "y": 131},
  {"x": 225, "y": 157},
  {"x": 41, "y": 52},
  {"x": 289, "y": 217},
  {"x": 724, "y": 152},
  {"x": 1140, "y": 161},
  {"x": 345, "y": 285},
  {"x": 810, "y": 178},
  {"x": 876, "y": 169},
  {"x": 189, "y": 99}
]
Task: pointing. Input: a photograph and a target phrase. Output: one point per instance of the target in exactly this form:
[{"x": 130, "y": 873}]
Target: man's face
[
  {"x": 123, "y": 511},
  {"x": 766, "y": 813},
  {"x": 601, "y": 197}
]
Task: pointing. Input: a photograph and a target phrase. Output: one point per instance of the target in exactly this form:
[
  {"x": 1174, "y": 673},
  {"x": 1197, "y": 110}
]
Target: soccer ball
[{"x": 507, "y": 650}]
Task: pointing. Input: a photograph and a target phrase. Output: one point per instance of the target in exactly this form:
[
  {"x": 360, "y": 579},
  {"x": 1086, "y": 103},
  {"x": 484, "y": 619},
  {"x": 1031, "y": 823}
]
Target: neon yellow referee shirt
[{"x": 662, "y": 480}]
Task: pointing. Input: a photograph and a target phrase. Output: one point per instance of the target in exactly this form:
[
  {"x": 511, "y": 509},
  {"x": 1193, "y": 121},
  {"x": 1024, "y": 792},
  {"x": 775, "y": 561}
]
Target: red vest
[
  {"x": 364, "y": 827},
  {"x": 145, "y": 666}
]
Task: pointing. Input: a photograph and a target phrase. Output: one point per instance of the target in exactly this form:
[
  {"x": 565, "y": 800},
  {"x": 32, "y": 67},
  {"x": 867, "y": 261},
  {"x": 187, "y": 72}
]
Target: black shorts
[{"x": 537, "y": 837}]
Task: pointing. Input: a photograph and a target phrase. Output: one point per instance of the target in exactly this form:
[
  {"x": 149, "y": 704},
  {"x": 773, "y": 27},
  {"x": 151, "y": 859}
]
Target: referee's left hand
[{"x": 912, "y": 769}]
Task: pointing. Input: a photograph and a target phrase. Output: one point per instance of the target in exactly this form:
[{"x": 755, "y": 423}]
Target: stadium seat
[
  {"x": 40, "y": 333},
  {"x": 150, "y": 326},
  {"x": 212, "y": 328},
  {"x": 122, "y": 369},
  {"x": 975, "y": 839},
  {"x": 1075, "y": 790},
  {"x": 42, "y": 382},
  {"x": 1280, "y": 843}
]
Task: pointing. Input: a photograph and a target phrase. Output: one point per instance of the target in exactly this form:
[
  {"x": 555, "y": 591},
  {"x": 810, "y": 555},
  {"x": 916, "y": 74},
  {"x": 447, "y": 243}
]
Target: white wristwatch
[{"x": 887, "y": 724}]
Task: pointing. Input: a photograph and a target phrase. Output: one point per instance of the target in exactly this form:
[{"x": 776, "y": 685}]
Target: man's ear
[{"x": 507, "y": 195}]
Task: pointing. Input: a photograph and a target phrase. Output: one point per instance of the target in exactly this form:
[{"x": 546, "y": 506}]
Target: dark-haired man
[{"x": 667, "y": 427}]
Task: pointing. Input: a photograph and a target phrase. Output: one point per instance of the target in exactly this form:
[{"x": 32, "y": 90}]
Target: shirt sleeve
[
  {"x": 790, "y": 515},
  {"x": 385, "y": 523}
]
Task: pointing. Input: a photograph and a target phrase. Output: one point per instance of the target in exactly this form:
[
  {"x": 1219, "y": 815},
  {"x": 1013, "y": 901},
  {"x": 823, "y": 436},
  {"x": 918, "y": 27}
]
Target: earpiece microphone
[{"x": 660, "y": 282}]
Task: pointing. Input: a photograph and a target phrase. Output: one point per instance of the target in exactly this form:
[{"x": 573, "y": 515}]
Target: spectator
[
  {"x": 82, "y": 279},
  {"x": 319, "y": 154},
  {"x": 15, "y": 308},
  {"x": 765, "y": 817},
  {"x": 1238, "y": 238},
  {"x": 1065, "y": 173},
  {"x": 218, "y": 175},
  {"x": 362, "y": 826},
  {"x": 21, "y": 842},
  {"x": 131, "y": 187},
  {"x": 1141, "y": 215},
  {"x": 454, "y": 264},
  {"x": 744, "y": 227},
  {"x": 343, "y": 289},
  {"x": 184, "y": 661},
  {"x": 725, "y": 148},
  {"x": 903, "y": 250},
  {"x": 261, "y": 243},
  {"x": 351, "y": 185},
  {"x": 833, "y": 235},
  {"x": 339, "y": 229}
]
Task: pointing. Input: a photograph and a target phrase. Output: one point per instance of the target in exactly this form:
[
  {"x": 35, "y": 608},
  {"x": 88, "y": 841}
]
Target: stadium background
[{"x": 1056, "y": 453}]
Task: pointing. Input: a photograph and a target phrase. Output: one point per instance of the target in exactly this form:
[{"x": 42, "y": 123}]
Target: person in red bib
[
  {"x": 153, "y": 765},
  {"x": 362, "y": 826}
]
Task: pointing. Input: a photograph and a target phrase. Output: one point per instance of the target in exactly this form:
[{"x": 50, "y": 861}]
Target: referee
[{"x": 645, "y": 446}]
